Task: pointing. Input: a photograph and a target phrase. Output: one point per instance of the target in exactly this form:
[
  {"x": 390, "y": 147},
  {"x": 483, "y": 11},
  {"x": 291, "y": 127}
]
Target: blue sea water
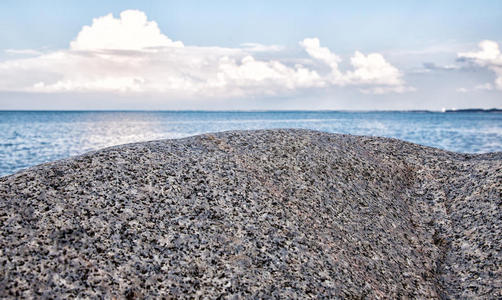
[{"x": 31, "y": 138}]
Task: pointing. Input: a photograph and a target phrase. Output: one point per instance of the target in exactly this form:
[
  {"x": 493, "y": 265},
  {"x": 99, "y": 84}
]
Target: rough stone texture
[{"x": 261, "y": 214}]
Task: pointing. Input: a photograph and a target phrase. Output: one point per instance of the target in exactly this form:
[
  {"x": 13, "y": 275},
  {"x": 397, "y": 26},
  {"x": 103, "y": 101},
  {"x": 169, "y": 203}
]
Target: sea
[{"x": 28, "y": 138}]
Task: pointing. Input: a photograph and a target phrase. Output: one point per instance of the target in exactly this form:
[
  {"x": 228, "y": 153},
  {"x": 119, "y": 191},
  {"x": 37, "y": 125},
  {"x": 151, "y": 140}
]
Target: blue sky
[{"x": 427, "y": 55}]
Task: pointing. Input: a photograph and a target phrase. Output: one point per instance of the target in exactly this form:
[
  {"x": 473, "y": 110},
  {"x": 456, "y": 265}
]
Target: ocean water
[{"x": 31, "y": 138}]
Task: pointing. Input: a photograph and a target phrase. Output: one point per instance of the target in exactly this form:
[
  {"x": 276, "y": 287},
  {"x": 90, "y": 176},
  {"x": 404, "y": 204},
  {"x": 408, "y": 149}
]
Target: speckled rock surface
[{"x": 259, "y": 214}]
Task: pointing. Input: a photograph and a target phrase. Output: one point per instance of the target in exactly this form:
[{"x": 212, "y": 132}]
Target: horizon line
[{"x": 254, "y": 110}]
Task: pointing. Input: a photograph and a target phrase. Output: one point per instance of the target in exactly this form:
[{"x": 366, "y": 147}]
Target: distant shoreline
[{"x": 477, "y": 110}]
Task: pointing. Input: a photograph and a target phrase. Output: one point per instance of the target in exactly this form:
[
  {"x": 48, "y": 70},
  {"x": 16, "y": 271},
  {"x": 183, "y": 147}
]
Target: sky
[{"x": 250, "y": 55}]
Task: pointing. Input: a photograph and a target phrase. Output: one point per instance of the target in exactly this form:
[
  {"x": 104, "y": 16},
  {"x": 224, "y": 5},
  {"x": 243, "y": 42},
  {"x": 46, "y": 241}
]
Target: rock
[{"x": 255, "y": 214}]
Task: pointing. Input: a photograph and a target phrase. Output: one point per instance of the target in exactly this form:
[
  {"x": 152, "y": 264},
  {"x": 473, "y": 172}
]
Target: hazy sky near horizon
[{"x": 360, "y": 55}]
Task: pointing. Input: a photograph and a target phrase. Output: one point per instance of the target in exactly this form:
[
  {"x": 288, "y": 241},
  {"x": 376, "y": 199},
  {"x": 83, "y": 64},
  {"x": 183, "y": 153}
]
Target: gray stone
[{"x": 255, "y": 214}]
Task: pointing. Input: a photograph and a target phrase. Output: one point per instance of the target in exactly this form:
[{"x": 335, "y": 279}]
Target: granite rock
[{"x": 255, "y": 214}]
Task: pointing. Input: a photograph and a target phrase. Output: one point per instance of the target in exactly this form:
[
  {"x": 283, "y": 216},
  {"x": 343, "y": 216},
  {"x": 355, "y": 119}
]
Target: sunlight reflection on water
[{"x": 30, "y": 138}]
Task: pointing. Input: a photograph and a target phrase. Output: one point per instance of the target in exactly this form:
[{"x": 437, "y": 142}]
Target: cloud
[
  {"x": 256, "y": 47},
  {"x": 371, "y": 69},
  {"x": 380, "y": 90},
  {"x": 480, "y": 87},
  {"x": 314, "y": 49},
  {"x": 489, "y": 56},
  {"x": 130, "y": 54},
  {"x": 22, "y": 52},
  {"x": 435, "y": 67},
  {"x": 132, "y": 31}
]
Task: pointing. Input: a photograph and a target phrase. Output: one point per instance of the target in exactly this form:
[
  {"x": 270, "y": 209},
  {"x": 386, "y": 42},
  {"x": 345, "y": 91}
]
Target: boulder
[{"x": 255, "y": 214}]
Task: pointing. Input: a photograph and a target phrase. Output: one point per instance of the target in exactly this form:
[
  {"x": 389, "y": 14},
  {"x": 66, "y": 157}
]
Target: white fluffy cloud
[
  {"x": 370, "y": 70},
  {"x": 132, "y": 31},
  {"x": 131, "y": 54},
  {"x": 488, "y": 56},
  {"x": 314, "y": 49},
  {"x": 373, "y": 69}
]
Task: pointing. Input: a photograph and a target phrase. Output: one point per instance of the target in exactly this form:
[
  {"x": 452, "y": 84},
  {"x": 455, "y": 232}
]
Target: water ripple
[{"x": 30, "y": 138}]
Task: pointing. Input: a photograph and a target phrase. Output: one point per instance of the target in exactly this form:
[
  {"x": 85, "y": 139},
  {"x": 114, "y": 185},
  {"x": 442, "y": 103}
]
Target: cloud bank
[
  {"x": 489, "y": 56},
  {"x": 130, "y": 54}
]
